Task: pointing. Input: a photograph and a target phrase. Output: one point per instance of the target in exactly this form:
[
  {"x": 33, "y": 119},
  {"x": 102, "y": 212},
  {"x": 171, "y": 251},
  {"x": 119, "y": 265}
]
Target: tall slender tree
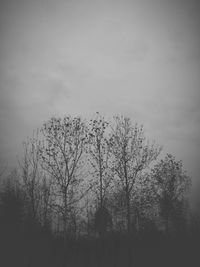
[
  {"x": 46, "y": 201},
  {"x": 31, "y": 174},
  {"x": 61, "y": 154},
  {"x": 100, "y": 158},
  {"x": 132, "y": 154},
  {"x": 172, "y": 186}
]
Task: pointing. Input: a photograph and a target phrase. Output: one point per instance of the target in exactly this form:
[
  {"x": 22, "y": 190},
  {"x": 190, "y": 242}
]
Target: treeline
[{"x": 80, "y": 183}]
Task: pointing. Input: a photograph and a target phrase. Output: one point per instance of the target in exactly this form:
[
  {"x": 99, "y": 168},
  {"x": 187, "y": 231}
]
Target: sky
[{"x": 137, "y": 58}]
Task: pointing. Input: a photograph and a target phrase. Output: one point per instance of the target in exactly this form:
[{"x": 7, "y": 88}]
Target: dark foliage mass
[{"x": 96, "y": 194}]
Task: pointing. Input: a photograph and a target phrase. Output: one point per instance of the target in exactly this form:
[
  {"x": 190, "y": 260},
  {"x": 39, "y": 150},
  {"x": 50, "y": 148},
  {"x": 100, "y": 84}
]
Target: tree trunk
[
  {"x": 65, "y": 216},
  {"x": 128, "y": 213},
  {"x": 137, "y": 226}
]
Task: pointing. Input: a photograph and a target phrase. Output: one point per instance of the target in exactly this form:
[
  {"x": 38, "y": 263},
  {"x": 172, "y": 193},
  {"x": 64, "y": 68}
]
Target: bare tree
[
  {"x": 100, "y": 156},
  {"x": 132, "y": 154},
  {"x": 62, "y": 157},
  {"x": 31, "y": 174},
  {"x": 100, "y": 159},
  {"x": 172, "y": 185},
  {"x": 47, "y": 200}
]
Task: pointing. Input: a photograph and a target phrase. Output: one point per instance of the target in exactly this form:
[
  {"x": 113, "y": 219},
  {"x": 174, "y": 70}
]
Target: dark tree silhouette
[
  {"x": 172, "y": 186},
  {"x": 31, "y": 175},
  {"x": 61, "y": 154},
  {"x": 100, "y": 157},
  {"x": 132, "y": 154},
  {"x": 103, "y": 221},
  {"x": 99, "y": 149},
  {"x": 50, "y": 216}
]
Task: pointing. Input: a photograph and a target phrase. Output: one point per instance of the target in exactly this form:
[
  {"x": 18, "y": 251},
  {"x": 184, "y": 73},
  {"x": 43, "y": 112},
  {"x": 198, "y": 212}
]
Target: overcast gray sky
[{"x": 138, "y": 58}]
